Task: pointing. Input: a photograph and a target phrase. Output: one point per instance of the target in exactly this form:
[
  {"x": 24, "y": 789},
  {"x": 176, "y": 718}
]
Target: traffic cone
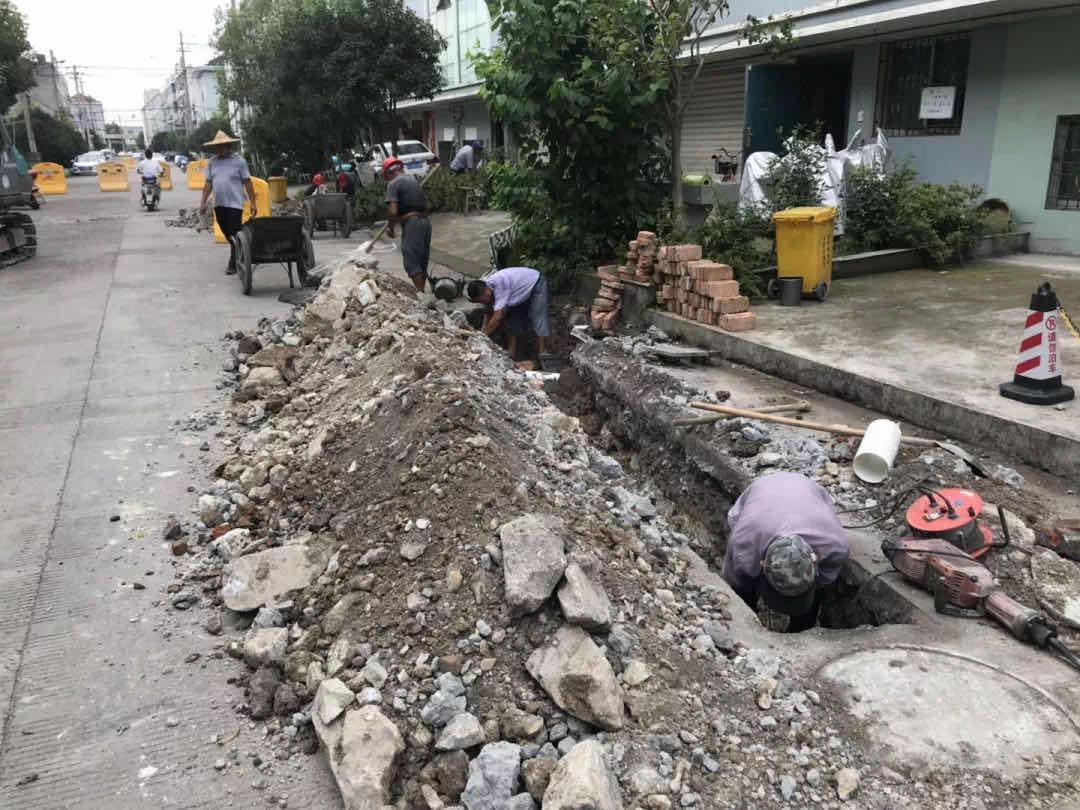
[{"x": 1038, "y": 370}]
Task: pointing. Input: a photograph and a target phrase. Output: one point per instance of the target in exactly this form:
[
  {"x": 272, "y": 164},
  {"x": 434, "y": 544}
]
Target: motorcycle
[{"x": 151, "y": 193}]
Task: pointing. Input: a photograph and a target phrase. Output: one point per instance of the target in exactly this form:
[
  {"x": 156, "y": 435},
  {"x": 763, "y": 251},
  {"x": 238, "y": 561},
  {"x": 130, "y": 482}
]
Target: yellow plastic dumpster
[
  {"x": 279, "y": 189},
  {"x": 196, "y": 174},
  {"x": 50, "y": 178},
  {"x": 262, "y": 207},
  {"x": 804, "y": 247},
  {"x": 165, "y": 181},
  {"x": 113, "y": 176}
]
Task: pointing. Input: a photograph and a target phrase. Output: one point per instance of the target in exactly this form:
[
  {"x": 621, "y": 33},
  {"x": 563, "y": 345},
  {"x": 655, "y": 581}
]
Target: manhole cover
[{"x": 944, "y": 710}]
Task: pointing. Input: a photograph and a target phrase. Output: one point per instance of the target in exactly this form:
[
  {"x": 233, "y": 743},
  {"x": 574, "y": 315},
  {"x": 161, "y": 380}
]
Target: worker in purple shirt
[
  {"x": 518, "y": 297},
  {"x": 785, "y": 546}
]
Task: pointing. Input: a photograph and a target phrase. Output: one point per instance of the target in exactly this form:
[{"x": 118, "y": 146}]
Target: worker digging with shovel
[{"x": 407, "y": 206}]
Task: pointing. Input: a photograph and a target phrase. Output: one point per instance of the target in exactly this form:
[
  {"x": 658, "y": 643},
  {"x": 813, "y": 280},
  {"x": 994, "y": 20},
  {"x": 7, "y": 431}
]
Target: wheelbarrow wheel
[
  {"x": 821, "y": 291},
  {"x": 243, "y": 261},
  {"x": 772, "y": 289},
  {"x": 306, "y": 261},
  {"x": 346, "y": 225}
]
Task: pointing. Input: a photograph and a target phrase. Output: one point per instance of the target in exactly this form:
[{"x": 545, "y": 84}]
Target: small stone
[
  {"x": 493, "y": 777},
  {"x": 453, "y": 580},
  {"x": 636, "y": 673},
  {"x": 847, "y": 783},
  {"x": 787, "y": 786},
  {"x": 813, "y": 777},
  {"x": 374, "y": 673},
  {"x": 332, "y": 698},
  {"x": 412, "y": 550},
  {"x": 463, "y": 731}
]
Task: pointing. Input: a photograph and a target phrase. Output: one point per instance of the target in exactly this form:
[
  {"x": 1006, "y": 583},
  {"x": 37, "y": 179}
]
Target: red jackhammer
[{"x": 964, "y": 587}]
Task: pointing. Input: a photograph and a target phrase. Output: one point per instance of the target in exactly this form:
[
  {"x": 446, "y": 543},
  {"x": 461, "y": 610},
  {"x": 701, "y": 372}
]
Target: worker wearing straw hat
[{"x": 229, "y": 179}]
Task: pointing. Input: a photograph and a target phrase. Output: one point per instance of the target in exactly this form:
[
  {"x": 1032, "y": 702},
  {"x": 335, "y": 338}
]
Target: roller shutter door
[{"x": 714, "y": 118}]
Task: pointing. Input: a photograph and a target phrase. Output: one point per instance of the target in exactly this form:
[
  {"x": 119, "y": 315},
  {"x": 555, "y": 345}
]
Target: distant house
[
  {"x": 186, "y": 100},
  {"x": 88, "y": 115}
]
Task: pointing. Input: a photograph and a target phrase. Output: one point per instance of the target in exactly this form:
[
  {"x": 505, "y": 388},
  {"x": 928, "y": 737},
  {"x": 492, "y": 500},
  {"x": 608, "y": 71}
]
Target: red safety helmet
[
  {"x": 317, "y": 180},
  {"x": 390, "y": 163}
]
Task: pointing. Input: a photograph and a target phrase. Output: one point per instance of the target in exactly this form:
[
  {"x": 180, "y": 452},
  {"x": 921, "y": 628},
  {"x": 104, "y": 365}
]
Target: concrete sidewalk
[{"x": 929, "y": 347}]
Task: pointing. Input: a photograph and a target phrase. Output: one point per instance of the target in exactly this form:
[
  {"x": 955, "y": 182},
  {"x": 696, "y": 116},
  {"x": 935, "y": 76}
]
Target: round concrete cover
[{"x": 946, "y": 711}]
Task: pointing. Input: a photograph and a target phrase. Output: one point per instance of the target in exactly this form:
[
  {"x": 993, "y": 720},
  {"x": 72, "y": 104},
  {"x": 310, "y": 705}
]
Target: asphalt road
[{"x": 106, "y": 339}]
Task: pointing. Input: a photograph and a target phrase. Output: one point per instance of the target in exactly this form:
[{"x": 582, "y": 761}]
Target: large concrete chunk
[
  {"x": 363, "y": 752},
  {"x": 533, "y": 560},
  {"x": 493, "y": 777},
  {"x": 257, "y": 579},
  {"x": 332, "y": 699},
  {"x": 265, "y": 646},
  {"x": 579, "y": 678},
  {"x": 583, "y": 601},
  {"x": 582, "y": 781},
  {"x": 1057, "y": 586}
]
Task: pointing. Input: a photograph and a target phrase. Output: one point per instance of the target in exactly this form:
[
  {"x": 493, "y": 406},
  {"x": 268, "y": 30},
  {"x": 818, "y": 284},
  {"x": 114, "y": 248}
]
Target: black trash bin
[{"x": 790, "y": 290}]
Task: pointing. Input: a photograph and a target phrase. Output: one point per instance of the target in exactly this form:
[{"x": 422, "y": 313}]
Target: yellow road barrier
[
  {"x": 50, "y": 178},
  {"x": 165, "y": 181},
  {"x": 113, "y": 176},
  {"x": 196, "y": 174},
  {"x": 262, "y": 207},
  {"x": 129, "y": 162}
]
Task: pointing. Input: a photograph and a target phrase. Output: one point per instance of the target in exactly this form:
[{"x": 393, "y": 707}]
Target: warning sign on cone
[{"x": 1038, "y": 370}]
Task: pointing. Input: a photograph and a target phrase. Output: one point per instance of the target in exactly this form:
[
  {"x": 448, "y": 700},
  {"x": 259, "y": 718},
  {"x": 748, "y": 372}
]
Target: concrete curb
[{"x": 1048, "y": 451}]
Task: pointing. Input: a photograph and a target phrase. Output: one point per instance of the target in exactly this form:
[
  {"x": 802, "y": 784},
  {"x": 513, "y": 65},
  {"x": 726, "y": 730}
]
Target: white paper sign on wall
[
  {"x": 448, "y": 133},
  {"x": 470, "y": 133},
  {"x": 937, "y": 103}
]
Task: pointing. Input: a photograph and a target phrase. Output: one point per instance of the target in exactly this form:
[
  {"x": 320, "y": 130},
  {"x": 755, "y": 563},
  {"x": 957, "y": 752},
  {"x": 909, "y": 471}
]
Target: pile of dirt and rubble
[
  {"x": 435, "y": 577},
  {"x": 288, "y": 207},
  {"x": 191, "y": 218}
]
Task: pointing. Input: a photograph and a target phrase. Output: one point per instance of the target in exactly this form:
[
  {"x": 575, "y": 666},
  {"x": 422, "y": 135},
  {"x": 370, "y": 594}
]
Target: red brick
[
  {"x": 738, "y": 321},
  {"x": 688, "y": 253},
  {"x": 712, "y": 271},
  {"x": 729, "y": 306},
  {"x": 723, "y": 289}
]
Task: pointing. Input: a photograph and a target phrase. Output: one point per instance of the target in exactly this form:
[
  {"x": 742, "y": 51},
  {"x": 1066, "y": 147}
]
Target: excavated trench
[{"x": 696, "y": 483}]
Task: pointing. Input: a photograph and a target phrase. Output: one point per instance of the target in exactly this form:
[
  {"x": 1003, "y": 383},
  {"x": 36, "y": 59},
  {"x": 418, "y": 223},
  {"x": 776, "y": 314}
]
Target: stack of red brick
[
  {"x": 605, "y": 307},
  {"x": 641, "y": 258},
  {"x": 700, "y": 290}
]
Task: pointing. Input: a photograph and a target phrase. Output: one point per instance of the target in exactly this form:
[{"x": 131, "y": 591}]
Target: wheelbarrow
[
  {"x": 329, "y": 210},
  {"x": 274, "y": 240}
]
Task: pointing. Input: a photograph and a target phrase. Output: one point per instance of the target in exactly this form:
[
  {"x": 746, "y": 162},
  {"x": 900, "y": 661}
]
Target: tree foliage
[
  {"x": 57, "y": 139},
  {"x": 572, "y": 80},
  {"x": 309, "y": 75},
  {"x": 16, "y": 71}
]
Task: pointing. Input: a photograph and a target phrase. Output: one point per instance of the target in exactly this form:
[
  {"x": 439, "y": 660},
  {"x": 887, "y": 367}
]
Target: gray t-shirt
[
  {"x": 406, "y": 192},
  {"x": 782, "y": 503},
  {"x": 226, "y": 175},
  {"x": 464, "y": 159}
]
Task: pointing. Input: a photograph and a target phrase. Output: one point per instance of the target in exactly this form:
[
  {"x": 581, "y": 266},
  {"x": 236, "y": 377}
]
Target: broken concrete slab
[
  {"x": 493, "y": 777},
  {"x": 584, "y": 602},
  {"x": 332, "y": 698},
  {"x": 260, "y": 379},
  {"x": 363, "y": 752},
  {"x": 265, "y": 646},
  {"x": 463, "y": 731},
  {"x": 1057, "y": 586},
  {"x": 534, "y": 560},
  {"x": 577, "y": 676},
  {"x": 261, "y": 578},
  {"x": 582, "y": 781}
]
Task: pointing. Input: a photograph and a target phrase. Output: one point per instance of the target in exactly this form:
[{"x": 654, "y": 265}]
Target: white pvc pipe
[{"x": 877, "y": 451}]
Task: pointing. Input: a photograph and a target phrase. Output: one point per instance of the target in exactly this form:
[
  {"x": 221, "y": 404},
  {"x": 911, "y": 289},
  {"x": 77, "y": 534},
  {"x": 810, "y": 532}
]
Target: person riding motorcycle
[{"x": 150, "y": 170}]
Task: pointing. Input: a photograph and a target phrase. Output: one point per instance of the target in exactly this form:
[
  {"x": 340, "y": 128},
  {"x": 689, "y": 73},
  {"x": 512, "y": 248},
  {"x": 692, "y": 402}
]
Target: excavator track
[{"x": 18, "y": 238}]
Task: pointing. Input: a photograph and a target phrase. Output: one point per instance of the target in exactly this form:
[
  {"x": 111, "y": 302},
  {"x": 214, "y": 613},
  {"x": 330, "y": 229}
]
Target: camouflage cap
[{"x": 790, "y": 565}]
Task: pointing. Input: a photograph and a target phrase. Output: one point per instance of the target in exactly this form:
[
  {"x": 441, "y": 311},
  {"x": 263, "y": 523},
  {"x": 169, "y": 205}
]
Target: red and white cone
[{"x": 1038, "y": 370}]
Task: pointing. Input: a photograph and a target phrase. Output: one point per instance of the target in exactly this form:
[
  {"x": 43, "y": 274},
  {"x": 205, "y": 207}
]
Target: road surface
[{"x": 106, "y": 339}]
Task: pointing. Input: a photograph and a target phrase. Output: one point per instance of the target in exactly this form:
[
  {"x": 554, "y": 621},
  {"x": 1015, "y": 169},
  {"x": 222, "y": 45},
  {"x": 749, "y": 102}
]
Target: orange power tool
[{"x": 962, "y": 586}]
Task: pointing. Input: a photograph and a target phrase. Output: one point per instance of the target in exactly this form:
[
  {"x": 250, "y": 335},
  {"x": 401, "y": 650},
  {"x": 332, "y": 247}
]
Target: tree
[
  {"x": 573, "y": 81},
  {"x": 140, "y": 141},
  {"x": 309, "y": 74},
  {"x": 167, "y": 142},
  {"x": 113, "y": 128},
  {"x": 96, "y": 141},
  {"x": 205, "y": 132},
  {"x": 57, "y": 140},
  {"x": 16, "y": 72}
]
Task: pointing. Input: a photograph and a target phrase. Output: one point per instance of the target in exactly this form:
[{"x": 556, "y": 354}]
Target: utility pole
[
  {"x": 56, "y": 84},
  {"x": 30, "y": 140},
  {"x": 81, "y": 108},
  {"x": 187, "y": 87}
]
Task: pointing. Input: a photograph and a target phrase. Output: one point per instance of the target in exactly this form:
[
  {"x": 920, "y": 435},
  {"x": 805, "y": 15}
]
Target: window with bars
[
  {"x": 1063, "y": 193},
  {"x": 909, "y": 67}
]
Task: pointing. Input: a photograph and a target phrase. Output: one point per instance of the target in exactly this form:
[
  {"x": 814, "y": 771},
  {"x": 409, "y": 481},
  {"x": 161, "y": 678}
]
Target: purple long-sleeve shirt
[
  {"x": 782, "y": 503},
  {"x": 511, "y": 286}
]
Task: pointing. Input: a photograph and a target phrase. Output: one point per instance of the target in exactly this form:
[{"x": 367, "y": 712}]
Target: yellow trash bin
[
  {"x": 113, "y": 176},
  {"x": 50, "y": 178},
  {"x": 279, "y": 189},
  {"x": 196, "y": 174},
  {"x": 165, "y": 181},
  {"x": 262, "y": 207},
  {"x": 804, "y": 247}
]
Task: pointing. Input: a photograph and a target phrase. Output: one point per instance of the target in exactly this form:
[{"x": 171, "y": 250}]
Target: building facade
[
  {"x": 980, "y": 92},
  {"x": 456, "y": 114},
  {"x": 188, "y": 99},
  {"x": 51, "y": 91},
  {"x": 88, "y": 115}
]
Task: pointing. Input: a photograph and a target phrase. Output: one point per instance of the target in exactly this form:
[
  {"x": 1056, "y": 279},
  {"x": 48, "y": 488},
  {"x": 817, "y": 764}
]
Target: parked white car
[
  {"x": 418, "y": 160},
  {"x": 87, "y": 162}
]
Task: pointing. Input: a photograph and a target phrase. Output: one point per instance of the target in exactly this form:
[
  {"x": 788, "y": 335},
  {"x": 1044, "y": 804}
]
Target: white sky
[{"x": 109, "y": 43}]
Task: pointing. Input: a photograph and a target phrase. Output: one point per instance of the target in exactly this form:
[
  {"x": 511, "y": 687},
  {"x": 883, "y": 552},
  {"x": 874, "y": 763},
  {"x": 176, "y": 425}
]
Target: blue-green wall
[{"x": 1041, "y": 81}]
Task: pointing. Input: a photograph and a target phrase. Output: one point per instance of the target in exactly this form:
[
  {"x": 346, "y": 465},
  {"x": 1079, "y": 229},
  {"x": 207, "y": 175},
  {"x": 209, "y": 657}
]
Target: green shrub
[
  {"x": 795, "y": 178},
  {"x": 446, "y": 191},
  {"x": 893, "y": 210}
]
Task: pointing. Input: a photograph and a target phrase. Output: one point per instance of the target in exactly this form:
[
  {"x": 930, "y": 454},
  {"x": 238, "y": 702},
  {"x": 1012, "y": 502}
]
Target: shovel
[{"x": 370, "y": 243}]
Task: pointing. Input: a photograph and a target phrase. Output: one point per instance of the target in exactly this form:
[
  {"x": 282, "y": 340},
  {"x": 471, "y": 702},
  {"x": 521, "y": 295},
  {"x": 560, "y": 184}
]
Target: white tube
[{"x": 877, "y": 451}]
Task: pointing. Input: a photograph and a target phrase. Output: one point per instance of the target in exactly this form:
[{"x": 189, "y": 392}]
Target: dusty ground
[{"x": 394, "y": 446}]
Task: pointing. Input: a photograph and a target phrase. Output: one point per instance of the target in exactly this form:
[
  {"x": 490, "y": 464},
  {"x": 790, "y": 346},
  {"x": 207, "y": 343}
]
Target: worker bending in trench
[
  {"x": 518, "y": 297},
  {"x": 786, "y": 546}
]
